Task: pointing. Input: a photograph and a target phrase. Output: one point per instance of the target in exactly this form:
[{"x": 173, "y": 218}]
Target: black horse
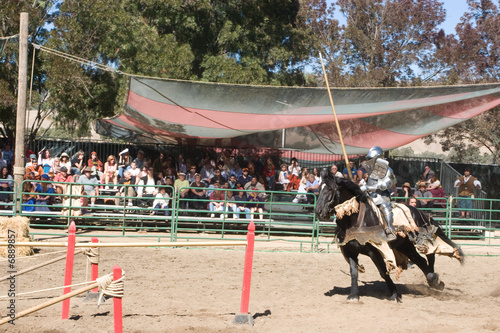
[{"x": 335, "y": 191}]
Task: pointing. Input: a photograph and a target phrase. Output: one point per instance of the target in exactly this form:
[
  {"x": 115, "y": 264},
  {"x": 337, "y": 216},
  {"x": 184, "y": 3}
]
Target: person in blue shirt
[
  {"x": 354, "y": 172},
  {"x": 241, "y": 205},
  {"x": 312, "y": 186}
]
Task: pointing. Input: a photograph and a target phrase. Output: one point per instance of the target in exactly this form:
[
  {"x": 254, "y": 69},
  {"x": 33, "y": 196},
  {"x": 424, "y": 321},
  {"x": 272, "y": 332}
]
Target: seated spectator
[
  {"x": 258, "y": 166},
  {"x": 230, "y": 206},
  {"x": 125, "y": 186},
  {"x": 181, "y": 166},
  {"x": 8, "y": 154},
  {"x": 3, "y": 162},
  {"x": 29, "y": 195},
  {"x": 192, "y": 173},
  {"x": 95, "y": 163},
  {"x": 46, "y": 160},
  {"x": 423, "y": 196},
  {"x": 241, "y": 205},
  {"x": 228, "y": 161},
  {"x": 254, "y": 184},
  {"x": 78, "y": 163},
  {"x": 170, "y": 173},
  {"x": 27, "y": 155},
  {"x": 412, "y": 201},
  {"x": 146, "y": 189},
  {"x": 294, "y": 172},
  {"x": 134, "y": 171},
  {"x": 283, "y": 177},
  {"x": 34, "y": 169},
  {"x": 428, "y": 172},
  {"x": 364, "y": 180},
  {"x": 405, "y": 193},
  {"x": 44, "y": 198},
  {"x": 160, "y": 204},
  {"x": 218, "y": 176},
  {"x": 198, "y": 193},
  {"x": 160, "y": 179},
  {"x": 181, "y": 187},
  {"x": 302, "y": 189},
  {"x": 140, "y": 160},
  {"x": 57, "y": 164},
  {"x": 269, "y": 174},
  {"x": 245, "y": 178},
  {"x": 312, "y": 186},
  {"x": 124, "y": 161},
  {"x": 207, "y": 173},
  {"x": 63, "y": 161},
  {"x": 236, "y": 171},
  {"x": 354, "y": 172},
  {"x": 255, "y": 205},
  {"x": 251, "y": 169},
  {"x": 143, "y": 173},
  {"x": 232, "y": 183},
  {"x": 361, "y": 171},
  {"x": 6, "y": 185},
  {"x": 160, "y": 164},
  {"x": 169, "y": 185},
  {"x": 437, "y": 191},
  {"x": 223, "y": 173},
  {"x": 110, "y": 171},
  {"x": 90, "y": 185},
  {"x": 317, "y": 175},
  {"x": 62, "y": 177},
  {"x": 216, "y": 203},
  {"x": 31, "y": 160}
]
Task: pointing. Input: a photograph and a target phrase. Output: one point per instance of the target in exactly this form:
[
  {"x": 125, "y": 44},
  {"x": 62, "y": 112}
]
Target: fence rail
[{"x": 285, "y": 216}]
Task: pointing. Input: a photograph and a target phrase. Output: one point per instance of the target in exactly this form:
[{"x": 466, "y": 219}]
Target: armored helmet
[{"x": 374, "y": 152}]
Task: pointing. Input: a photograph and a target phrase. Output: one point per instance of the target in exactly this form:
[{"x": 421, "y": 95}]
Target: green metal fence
[{"x": 282, "y": 218}]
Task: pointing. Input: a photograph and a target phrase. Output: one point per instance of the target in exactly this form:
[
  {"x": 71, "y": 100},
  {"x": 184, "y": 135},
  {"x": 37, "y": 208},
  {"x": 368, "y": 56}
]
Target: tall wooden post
[{"x": 21, "y": 106}]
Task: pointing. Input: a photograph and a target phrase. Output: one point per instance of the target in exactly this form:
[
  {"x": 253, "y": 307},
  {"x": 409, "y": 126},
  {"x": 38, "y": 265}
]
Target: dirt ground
[{"x": 199, "y": 290}]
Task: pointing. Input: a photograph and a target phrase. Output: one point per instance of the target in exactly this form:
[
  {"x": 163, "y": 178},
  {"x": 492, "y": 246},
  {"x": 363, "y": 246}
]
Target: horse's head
[{"x": 327, "y": 196}]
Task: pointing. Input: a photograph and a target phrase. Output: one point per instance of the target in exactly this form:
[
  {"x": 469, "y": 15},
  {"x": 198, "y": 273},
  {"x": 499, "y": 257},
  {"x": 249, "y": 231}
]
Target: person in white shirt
[
  {"x": 147, "y": 188},
  {"x": 160, "y": 204}
]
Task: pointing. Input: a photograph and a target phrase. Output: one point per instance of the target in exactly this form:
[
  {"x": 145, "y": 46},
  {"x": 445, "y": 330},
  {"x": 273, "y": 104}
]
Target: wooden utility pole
[{"x": 21, "y": 106}]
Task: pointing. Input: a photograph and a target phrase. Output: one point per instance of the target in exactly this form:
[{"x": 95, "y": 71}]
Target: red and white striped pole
[
  {"x": 117, "y": 302},
  {"x": 244, "y": 317},
  {"x": 94, "y": 272},
  {"x": 68, "y": 276}
]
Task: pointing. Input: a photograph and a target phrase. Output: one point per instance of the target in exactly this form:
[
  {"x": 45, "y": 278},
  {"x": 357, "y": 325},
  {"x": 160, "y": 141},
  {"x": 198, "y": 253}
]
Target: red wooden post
[
  {"x": 247, "y": 275},
  {"x": 117, "y": 302},
  {"x": 94, "y": 273},
  {"x": 68, "y": 277}
]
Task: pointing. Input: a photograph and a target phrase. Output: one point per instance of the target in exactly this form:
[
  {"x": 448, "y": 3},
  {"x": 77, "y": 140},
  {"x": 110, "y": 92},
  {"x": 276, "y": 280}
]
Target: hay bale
[{"x": 20, "y": 225}]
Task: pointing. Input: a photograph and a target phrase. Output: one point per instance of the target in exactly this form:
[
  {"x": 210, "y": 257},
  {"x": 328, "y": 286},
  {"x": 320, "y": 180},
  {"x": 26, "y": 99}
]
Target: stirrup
[{"x": 389, "y": 234}]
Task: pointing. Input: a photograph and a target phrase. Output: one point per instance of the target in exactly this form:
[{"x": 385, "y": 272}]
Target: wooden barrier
[
  {"x": 149, "y": 244},
  {"x": 49, "y": 303}
]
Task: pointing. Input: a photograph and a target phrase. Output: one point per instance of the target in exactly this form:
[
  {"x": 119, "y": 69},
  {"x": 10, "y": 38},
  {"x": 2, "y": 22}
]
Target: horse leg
[
  {"x": 354, "y": 295},
  {"x": 427, "y": 268},
  {"x": 379, "y": 262},
  {"x": 431, "y": 259}
]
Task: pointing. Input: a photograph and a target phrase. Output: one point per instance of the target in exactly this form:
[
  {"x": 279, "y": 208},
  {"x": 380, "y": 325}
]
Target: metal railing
[{"x": 188, "y": 218}]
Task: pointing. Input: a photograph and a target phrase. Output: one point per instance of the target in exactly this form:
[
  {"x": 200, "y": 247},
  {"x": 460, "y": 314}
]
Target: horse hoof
[
  {"x": 434, "y": 282},
  {"x": 396, "y": 297},
  {"x": 353, "y": 298}
]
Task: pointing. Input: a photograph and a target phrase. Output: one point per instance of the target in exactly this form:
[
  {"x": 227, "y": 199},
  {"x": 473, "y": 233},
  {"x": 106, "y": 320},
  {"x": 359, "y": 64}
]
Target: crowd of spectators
[{"x": 147, "y": 181}]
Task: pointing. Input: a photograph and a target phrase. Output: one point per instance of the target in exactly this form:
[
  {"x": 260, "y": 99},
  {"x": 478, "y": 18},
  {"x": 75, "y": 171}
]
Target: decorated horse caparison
[{"x": 361, "y": 230}]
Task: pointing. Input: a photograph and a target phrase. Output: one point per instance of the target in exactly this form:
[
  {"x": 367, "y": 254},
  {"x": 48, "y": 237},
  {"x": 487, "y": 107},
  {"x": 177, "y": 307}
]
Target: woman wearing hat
[
  {"x": 64, "y": 161},
  {"x": 404, "y": 193}
]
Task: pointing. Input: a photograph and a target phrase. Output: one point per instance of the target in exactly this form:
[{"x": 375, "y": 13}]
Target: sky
[{"x": 454, "y": 11}]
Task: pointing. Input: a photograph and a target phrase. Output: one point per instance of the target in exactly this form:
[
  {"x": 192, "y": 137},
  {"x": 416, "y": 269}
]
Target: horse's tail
[{"x": 440, "y": 233}]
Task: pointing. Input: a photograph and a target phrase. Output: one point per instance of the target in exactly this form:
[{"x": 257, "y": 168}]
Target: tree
[
  {"x": 382, "y": 43},
  {"x": 39, "y": 15},
  {"x": 473, "y": 56}
]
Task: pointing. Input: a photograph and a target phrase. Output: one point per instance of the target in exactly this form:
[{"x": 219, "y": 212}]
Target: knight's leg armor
[{"x": 387, "y": 211}]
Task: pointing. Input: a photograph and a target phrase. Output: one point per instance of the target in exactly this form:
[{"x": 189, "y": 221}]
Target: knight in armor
[{"x": 380, "y": 182}]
